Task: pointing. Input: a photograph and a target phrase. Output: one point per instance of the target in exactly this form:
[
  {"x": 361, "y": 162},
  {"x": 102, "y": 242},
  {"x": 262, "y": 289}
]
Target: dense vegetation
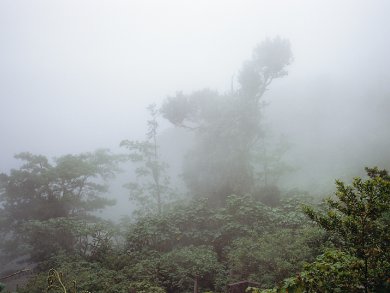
[{"x": 237, "y": 224}]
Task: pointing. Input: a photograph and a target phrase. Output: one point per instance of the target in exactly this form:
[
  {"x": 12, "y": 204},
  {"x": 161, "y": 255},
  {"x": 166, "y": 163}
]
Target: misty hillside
[{"x": 194, "y": 146}]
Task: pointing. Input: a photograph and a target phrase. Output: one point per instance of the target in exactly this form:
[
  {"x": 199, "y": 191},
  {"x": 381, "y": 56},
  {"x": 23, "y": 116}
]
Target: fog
[{"x": 78, "y": 75}]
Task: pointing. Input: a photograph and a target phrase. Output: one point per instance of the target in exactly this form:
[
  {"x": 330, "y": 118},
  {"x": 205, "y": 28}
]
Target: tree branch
[{"x": 16, "y": 273}]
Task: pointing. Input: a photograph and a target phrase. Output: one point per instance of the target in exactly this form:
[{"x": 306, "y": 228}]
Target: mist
[
  {"x": 76, "y": 76},
  {"x": 235, "y": 139}
]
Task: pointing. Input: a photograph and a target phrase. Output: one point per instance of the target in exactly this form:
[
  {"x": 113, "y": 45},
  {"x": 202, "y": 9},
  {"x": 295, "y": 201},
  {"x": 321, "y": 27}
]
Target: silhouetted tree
[
  {"x": 228, "y": 126},
  {"x": 152, "y": 188}
]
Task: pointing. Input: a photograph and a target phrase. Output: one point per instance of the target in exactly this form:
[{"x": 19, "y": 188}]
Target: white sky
[{"x": 77, "y": 75}]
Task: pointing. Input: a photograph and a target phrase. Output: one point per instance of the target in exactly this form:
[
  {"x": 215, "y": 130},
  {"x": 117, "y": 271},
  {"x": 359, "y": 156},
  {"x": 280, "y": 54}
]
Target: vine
[{"x": 55, "y": 283}]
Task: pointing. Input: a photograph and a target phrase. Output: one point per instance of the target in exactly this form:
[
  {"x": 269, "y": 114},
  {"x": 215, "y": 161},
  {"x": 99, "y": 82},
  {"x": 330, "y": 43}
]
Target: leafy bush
[{"x": 92, "y": 277}]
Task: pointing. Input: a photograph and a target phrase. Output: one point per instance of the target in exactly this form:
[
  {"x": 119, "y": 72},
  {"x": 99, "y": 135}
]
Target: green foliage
[
  {"x": 272, "y": 257},
  {"x": 179, "y": 269},
  {"x": 71, "y": 235},
  {"x": 56, "y": 283},
  {"x": 183, "y": 225},
  {"x": 40, "y": 191},
  {"x": 89, "y": 277},
  {"x": 194, "y": 244},
  {"x": 334, "y": 271},
  {"x": 182, "y": 266},
  {"x": 197, "y": 223},
  {"x": 359, "y": 220},
  {"x": 249, "y": 239}
]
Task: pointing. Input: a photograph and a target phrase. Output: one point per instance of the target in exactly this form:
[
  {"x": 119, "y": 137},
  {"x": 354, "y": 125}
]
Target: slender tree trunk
[
  {"x": 196, "y": 285},
  {"x": 265, "y": 167},
  {"x": 366, "y": 275},
  {"x": 159, "y": 199},
  {"x": 157, "y": 173},
  {"x": 363, "y": 241}
]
